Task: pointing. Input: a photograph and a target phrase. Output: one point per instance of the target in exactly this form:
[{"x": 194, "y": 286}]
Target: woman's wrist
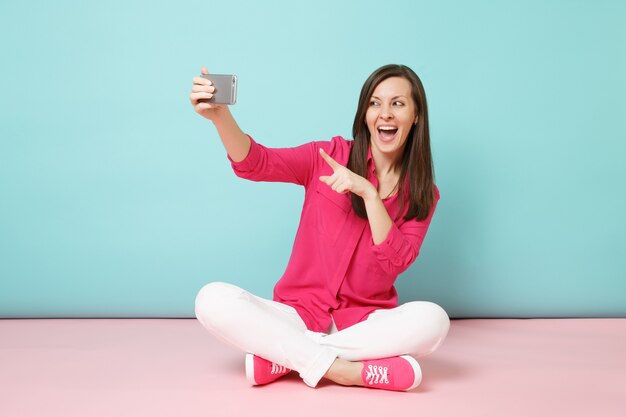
[
  {"x": 370, "y": 195},
  {"x": 221, "y": 116}
]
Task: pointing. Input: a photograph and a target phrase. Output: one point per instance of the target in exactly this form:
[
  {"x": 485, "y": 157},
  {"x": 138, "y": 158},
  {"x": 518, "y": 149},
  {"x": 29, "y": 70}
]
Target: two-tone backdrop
[{"x": 117, "y": 200}]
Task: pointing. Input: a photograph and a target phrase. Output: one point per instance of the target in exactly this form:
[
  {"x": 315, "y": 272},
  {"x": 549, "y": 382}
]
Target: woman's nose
[{"x": 385, "y": 113}]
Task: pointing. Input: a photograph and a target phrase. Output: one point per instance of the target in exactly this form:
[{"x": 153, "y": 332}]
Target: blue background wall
[{"x": 116, "y": 199}]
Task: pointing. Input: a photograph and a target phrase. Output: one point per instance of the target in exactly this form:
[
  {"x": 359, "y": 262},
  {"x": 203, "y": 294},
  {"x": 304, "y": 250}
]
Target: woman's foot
[
  {"x": 344, "y": 372},
  {"x": 260, "y": 371},
  {"x": 399, "y": 373}
]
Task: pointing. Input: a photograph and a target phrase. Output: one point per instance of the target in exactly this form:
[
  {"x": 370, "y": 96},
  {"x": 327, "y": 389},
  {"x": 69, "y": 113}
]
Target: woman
[{"x": 368, "y": 204}]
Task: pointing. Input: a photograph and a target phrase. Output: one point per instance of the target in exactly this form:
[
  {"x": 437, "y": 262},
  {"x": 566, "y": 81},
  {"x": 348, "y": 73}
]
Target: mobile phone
[{"x": 225, "y": 88}]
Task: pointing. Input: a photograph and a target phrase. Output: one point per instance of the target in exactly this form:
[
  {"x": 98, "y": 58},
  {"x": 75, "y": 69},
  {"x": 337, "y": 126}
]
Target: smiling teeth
[{"x": 387, "y": 128}]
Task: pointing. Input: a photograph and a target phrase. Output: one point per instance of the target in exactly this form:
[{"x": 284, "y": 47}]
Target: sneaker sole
[
  {"x": 416, "y": 370},
  {"x": 250, "y": 369}
]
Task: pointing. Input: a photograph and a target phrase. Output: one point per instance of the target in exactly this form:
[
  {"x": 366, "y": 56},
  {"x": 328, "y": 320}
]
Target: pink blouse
[{"x": 335, "y": 271}]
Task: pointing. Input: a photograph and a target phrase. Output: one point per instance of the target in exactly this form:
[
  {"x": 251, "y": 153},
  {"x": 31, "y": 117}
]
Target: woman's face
[{"x": 390, "y": 115}]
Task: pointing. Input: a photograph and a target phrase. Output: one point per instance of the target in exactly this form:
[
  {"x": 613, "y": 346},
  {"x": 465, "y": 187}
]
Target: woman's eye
[
  {"x": 373, "y": 103},
  {"x": 398, "y": 103}
]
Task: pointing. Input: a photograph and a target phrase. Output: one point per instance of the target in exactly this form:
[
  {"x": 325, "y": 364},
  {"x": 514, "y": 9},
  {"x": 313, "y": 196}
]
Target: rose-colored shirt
[{"x": 335, "y": 271}]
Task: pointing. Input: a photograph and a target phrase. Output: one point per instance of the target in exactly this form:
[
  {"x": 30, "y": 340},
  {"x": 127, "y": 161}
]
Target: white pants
[{"x": 275, "y": 331}]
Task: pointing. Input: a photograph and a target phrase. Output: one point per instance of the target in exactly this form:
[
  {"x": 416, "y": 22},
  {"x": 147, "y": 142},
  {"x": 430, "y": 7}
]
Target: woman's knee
[
  {"x": 214, "y": 299},
  {"x": 432, "y": 323}
]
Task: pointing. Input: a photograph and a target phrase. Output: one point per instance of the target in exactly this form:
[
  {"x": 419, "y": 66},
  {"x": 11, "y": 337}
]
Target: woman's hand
[
  {"x": 204, "y": 89},
  {"x": 343, "y": 180}
]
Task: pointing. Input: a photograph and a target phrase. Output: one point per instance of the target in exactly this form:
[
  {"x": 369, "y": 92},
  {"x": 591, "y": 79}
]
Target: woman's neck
[{"x": 385, "y": 165}]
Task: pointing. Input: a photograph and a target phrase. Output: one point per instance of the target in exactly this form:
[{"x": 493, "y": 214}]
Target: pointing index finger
[{"x": 330, "y": 161}]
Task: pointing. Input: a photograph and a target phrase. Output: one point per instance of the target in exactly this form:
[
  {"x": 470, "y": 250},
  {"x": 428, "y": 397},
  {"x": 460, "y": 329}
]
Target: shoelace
[
  {"x": 376, "y": 375},
  {"x": 277, "y": 369}
]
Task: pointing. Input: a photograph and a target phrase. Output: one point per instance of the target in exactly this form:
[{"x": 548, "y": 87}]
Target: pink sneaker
[
  {"x": 400, "y": 373},
  {"x": 260, "y": 371}
]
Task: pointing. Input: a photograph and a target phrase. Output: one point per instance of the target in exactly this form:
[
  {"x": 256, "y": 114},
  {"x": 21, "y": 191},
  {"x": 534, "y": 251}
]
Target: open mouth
[{"x": 387, "y": 133}]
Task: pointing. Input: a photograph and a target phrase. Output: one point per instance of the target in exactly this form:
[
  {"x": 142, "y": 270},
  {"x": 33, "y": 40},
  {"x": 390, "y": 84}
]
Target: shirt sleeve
[
  {"x": 402, "y": 245},
  {"x": 294, "y": 165}
]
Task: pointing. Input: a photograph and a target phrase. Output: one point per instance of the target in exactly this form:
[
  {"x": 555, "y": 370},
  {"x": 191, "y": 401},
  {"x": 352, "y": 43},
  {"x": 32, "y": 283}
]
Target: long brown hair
[{"x": 416, "y": 183}]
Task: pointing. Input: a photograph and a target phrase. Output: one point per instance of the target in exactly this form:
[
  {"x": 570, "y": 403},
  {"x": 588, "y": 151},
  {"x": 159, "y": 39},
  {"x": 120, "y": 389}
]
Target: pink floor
[{"x": 153, "y": 367}]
